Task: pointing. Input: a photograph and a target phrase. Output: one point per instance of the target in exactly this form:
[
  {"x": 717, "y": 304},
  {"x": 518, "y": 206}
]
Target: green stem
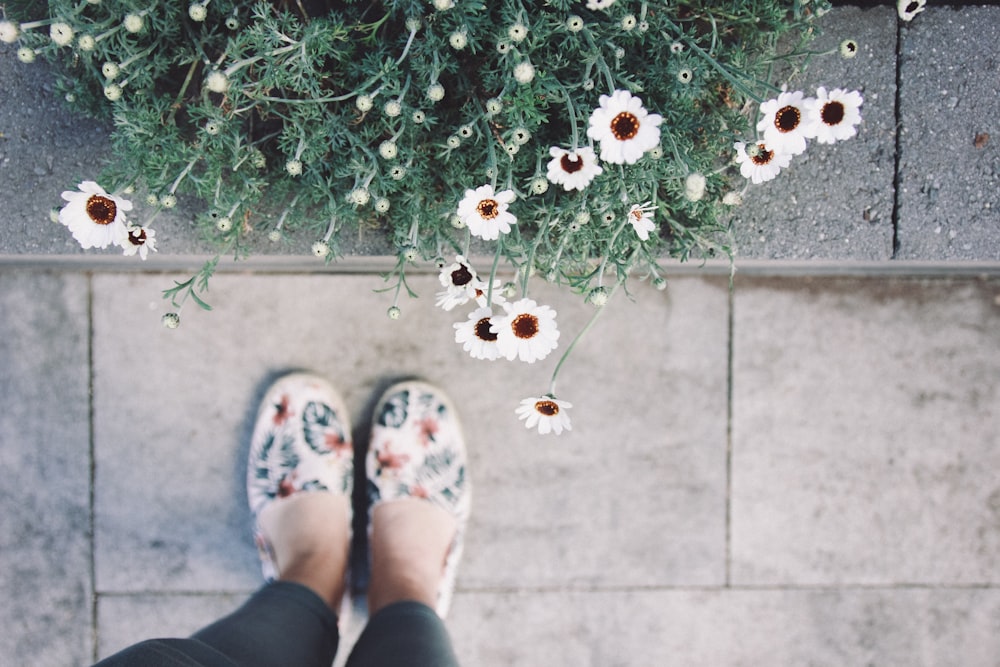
[{"x": 579, "y": 336}]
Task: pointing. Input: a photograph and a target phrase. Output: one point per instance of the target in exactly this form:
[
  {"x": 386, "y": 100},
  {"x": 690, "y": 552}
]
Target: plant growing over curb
[{"x": 580, "y": 141}]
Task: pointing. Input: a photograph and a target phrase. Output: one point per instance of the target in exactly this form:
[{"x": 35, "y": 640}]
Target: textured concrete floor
[
  {"x": 801, "y": 473},
  {"x": 804, "y": 474}
]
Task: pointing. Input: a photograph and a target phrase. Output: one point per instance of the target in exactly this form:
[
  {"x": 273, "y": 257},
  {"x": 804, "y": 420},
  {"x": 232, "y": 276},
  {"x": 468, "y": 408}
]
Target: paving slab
[
  {"x": 45, "y": 525},
  {"x": 124, "y": 620},
  {"x": 835, "y": 202},
  {"x": 737, "y": 628},
  {"x": 866, "y": 438},
  {"x": 633, "y": 495},
  {"x": 949, "y": 171}
]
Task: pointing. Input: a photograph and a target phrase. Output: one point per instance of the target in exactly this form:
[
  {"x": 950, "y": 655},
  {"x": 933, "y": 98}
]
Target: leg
[
  {"x": 410, "y": 542},
  {"x": 420, "y": 497},
  {"x": 289, "y": 622}
]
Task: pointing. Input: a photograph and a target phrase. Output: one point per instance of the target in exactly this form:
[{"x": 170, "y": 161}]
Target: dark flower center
[
  {"x": 761, "y": 156},
  {"x": 547, "y": 408},
  {"x": 525, "y": 326},
  {"x": 787, "y": 119},
  {"x": 101, "y": 209},
  {"x": 461, "y": 276},
  {"x": 571, "y": 165},
  {"x": 137, "y": 236},
  {"x": 624, "y": 126},
  {"x": 833, "y": 113},
  {"x": 488, "y": 209},
  {"x": 483, "y": 330}
]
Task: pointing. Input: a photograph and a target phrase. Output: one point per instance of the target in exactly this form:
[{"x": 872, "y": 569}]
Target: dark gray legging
[{"x": 286, "y": 624}]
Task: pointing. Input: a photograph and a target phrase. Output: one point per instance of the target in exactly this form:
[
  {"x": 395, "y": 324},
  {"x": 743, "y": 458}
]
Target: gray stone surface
[
  {"x": 45, "y": 557},
  {"x": 949, "y": 205},
  {"x": 738, "y": 628},
  {"x": 866, "y": 438},
  {"x": 196, "y": 402},
  {"x": 127, "y": 619},
  {"x": 835, "y": 201},
  {"x": 853, "y": 520}
]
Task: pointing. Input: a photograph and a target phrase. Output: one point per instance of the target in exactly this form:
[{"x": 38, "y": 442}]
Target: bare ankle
[{"x": 410, "y": 541}]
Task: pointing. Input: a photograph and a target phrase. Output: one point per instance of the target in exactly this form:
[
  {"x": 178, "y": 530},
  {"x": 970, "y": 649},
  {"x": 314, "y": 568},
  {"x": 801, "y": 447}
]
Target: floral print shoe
[
  {"x": 301, "y": 442},
  {"x": 417, "y": 450}
]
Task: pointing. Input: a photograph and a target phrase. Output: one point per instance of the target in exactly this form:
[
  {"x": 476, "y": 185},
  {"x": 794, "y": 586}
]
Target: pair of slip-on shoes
[{"x": 302, "y": 442}]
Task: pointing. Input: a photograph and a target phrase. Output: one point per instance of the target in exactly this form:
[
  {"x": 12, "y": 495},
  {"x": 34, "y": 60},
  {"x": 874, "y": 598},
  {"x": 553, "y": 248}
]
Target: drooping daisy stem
[
  {"x": 183, "y": 174},
  {"x": 530, "y": 261},
  {"x": 578, "y": 338},
  {"x": 493, "y": 271}
]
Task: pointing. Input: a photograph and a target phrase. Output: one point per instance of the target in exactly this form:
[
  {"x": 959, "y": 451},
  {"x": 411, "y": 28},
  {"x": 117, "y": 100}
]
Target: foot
[
  {"x": 299, "y": 480},
  {"x": 420, "y": 497}
]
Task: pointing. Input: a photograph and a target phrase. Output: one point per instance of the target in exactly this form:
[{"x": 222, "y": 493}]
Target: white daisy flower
[
  {"x": 907, "y": 9},
  {"x": 574, "y": 170},
  {"x": 485, "y": 212},
  {"x": 527, "y": 331},
  {"x": 139, "y": 240},
  {"x": 9, "y": 32},
  {"x": 460, "y": 282},
  {"x": 95, "y": 218},
  {"x": 760, "y": 163},
  {"x": 477, "y": 336},
  {"x": 834, "y": 115},
  {"x": 640, "y": 216},
  {"x": 547, "y": 413},
  {"x": 61, "y": 33},
  {"x": 783, "y": 123},
  {"x": 624, "y": 128}
]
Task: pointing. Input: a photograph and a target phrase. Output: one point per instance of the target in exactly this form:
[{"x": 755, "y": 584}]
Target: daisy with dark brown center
[
  {"x": 574, "y": 170},
  {"x": 833, "y": 116},
  {"x": 460, "y": 284},
  {"x": 547, "y": 413},
  {"x": 139, "y": 240},
  {"x": 485, "y": 212},
  {"x": 95, "y": 218},
  {"x": 759, "y": 162},
  {"x": 624, "y": 128},
  {"x": 527, "y": 332},
  {"x": 783, "y": 123},
  {"x": 476, "y": 335}
]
